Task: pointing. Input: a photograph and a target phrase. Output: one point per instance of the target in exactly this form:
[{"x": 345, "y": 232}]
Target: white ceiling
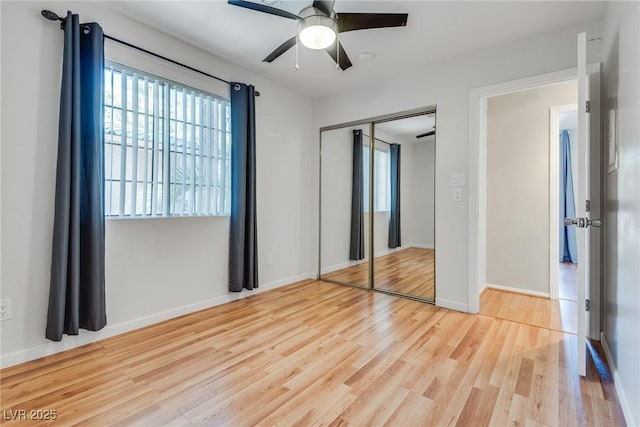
[
  {"x": 407, "y": 129},
  {"x": 435, "y": 31}
]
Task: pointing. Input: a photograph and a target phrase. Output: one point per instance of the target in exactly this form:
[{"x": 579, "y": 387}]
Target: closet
[{"x": 377, "y": 204}]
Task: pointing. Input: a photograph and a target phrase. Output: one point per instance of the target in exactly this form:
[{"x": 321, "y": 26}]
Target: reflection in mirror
[
  {"x": 344, "y": 231},
  {"x": 404, "y": 232}
]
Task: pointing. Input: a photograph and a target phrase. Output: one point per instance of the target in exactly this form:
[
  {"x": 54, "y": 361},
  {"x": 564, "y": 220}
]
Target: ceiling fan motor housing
[{"x": 316, "y": 29}]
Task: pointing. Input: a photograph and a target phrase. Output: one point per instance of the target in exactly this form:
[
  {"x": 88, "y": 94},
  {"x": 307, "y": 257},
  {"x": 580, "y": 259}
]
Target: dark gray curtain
[
  {"x": 394, "y": 217},
  {"x": 356, "y": 245},
  {"x": 77, "y": 292},
  {"x": 243, "y": 239}
]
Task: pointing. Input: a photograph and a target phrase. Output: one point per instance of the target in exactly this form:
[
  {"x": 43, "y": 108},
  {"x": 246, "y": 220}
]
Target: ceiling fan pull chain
[{"x": 297, "y": 40}]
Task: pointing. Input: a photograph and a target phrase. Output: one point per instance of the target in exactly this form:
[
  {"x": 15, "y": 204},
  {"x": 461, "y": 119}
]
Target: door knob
[
  {"x": 582, "y": 222},
  {"x": 594, "y": 222},
  {"x": 570, "y": 221}
]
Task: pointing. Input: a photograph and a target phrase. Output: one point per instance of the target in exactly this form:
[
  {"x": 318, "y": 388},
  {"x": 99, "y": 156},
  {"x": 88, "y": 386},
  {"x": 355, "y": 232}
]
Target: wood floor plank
[
  {"x": 559, "y": 315},
  {"x": 409, "y": 271},
  {"x": 315, "y": 353}
]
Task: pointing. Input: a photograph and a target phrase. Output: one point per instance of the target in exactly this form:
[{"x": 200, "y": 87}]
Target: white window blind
[{"x": 167, "y": 147}]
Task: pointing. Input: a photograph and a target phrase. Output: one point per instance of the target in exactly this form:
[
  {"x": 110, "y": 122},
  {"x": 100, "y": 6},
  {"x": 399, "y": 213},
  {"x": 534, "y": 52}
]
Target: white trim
[
  {"x": 517, "y": 290},
  {"x": 477, "y": 170},
  {"x": 422, "y": 245},
  {"x": 452, "y": 305},
  {"x": 622, "y": 396},
  {"x": 554, "y": 195},
  {"x": 87, "y": 337},
  {"x": 403, "y": 247},
  {"x": 336, "y": 267},
  {"x": 388, "y": 251}
]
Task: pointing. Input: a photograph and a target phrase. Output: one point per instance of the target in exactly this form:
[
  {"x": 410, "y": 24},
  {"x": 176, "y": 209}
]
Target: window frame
[{"x": 166, "y": 212}]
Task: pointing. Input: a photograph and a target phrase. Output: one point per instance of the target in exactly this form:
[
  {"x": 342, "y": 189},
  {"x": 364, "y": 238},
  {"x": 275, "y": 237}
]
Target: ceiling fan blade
[
  {"x": 262, "y": 8},
  {"x": 345, "y": 62},
  {"x": 363, "y": 21},
  {"x": 324, "y": 6},
  {"x": 280, "y": 50},
  {"x": 422, "y": 135}
]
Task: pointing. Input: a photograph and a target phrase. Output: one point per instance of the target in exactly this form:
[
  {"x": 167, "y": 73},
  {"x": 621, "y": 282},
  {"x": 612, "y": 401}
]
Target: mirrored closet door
[
  {"x": 404, "y": 159},
  {"x": 344, "y": 235},
  {"x": 377, "y": 204}
]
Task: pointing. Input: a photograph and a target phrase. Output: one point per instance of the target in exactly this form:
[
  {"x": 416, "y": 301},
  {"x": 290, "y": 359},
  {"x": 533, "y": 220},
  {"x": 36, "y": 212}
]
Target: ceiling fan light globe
[
  {"x": 317, "y": 32},
  {"x": 317, "y": 37}
]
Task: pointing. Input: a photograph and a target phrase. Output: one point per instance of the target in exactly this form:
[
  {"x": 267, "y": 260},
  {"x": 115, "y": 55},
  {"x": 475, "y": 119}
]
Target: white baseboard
[
  {"x": 452, "y": 305},
  {"x": 622, "y": 397},
  {"x": 516, "y": 290},
  {"x": 403, "y": 247},
  {"x": 86, "y": 337},
  {"x": 422, "y": 245},
  {"x": 386, "y": 252},
  {"x": 340, "y": 266}
]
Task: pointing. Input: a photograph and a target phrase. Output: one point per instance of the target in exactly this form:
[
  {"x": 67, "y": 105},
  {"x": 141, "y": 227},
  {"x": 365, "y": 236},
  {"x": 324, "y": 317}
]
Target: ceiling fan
[
  {"x": 431, "y": 132},
  {"x": 319, "y": 24}
]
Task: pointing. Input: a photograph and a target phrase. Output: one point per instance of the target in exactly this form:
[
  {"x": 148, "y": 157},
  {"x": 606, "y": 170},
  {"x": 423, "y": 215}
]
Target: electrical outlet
[
  {"x": 5, "y": 309},
  {"x": 457, "y": 180},
  {"x": 457, "y": 194},
  {"x": 268, "y": 259}
]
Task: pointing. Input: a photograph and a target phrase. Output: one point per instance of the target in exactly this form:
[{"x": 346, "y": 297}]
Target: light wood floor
[
  {"x": 408, "y": 271},
  {"x": 567, "y": 281},
  {"x": 558, "y": 315},
  {"x": 318, "y": 353}
]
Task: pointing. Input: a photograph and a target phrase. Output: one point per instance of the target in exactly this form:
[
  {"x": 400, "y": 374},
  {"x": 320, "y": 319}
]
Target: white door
[{"x": 583, "y": 222}]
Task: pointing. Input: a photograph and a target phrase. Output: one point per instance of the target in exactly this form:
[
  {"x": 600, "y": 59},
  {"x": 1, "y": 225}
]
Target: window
[
  {"x": 382, "y": 178},
  {"x": 167, "y": 147}
]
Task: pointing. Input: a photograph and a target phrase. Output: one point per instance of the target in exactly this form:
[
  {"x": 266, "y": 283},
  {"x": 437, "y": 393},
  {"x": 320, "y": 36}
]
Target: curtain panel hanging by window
[
  {"x": 356, "y": 245},
  {"x": 243, "y": 239},
  {"x": 77, "y": 292},
  {"x": 394, "y": 216}
]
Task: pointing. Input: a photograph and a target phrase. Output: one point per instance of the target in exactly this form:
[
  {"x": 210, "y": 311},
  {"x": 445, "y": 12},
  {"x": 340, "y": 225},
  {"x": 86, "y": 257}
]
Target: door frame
[
  {"x": 478, "y": 177},
  {"x": 554, "y": 195}
]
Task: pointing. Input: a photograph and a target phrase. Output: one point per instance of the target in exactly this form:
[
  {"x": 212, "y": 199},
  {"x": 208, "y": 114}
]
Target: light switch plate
[{"x": 457, "y": 180}]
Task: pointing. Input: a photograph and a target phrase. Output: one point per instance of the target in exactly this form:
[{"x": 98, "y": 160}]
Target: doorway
[
  {"x": 478, "y": 182},
  {"x": 563, "y": 120},
  {"x": 518, "y": 205}
]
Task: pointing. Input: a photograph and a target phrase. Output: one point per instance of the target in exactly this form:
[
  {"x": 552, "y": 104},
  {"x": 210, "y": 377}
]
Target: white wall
[
  {"x": 407, "y": 187},
  {"x": 447, "y": 85},
  {"x": 422, "y": 213},
  {"x": 156, "y": 268},
  {"x": 622, "y": 204},
  {"x": 518, "y": 185},
  {"x": 337, "y": 155}
]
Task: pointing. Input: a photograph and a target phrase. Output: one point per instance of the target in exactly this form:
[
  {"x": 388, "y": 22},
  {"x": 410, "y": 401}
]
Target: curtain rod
[
  {"x": 377, "y": 139},
  {"x": 52, "y": 16}
]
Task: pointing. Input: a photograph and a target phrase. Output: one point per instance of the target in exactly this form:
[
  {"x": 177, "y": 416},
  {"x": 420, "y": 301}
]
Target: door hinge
[
  {"x": 587, "y": 206},
  {"x": 587, "y": 305},
  {"x": 588, "y": 106}
]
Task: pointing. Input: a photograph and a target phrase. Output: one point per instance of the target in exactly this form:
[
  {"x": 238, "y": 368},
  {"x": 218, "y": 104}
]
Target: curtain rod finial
[{"x": 51, "y": 16}]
